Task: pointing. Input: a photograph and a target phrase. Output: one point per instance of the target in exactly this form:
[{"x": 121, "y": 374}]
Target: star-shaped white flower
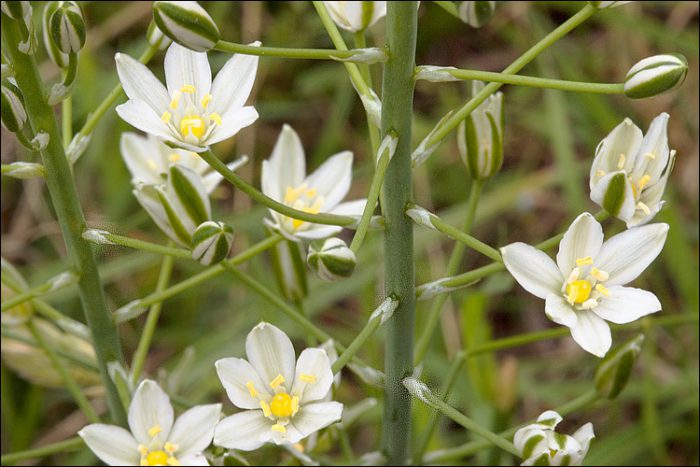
[
  {"x": 630, "y": 171},
  {"x": 283, "y": 401},
  {"x": 192, "y": 112},
  {"x": 356, "y": 15},
  {"x": 284, "y": 179},
  {"x": 583, "y": 289},
  {"x": 154, "y": 438},
  {"x": 539, "y": 444}
]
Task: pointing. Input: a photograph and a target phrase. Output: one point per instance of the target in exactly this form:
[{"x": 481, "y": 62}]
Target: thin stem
[
  {"x": 250, "y": 190},
  {"x": 55, "y": 283},
  {"x": 64, "y": 197},
  {"x": 399, "y": 276},
  {"x": 452, "y": 267},
  {"x": 71, "y": 444},
  {"x": 67, "y": 120},
  {"x": 99, "y": 236},
  {"x": 68, "y": 380},
  {"x": 519, "y": 80},
  {"x": 309, "y": 54},
  {"x": 149, "y": 328}
]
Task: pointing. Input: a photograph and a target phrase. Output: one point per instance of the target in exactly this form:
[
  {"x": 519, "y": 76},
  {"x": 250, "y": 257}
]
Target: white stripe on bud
[
  {"x": 211, "y": 242},
  {"x": 655, "y": 75},
  {"x": 54, "y": 53},
  {"x": 67, "y": 27},
  {"x": 186, "y": 23},
  {"x": 476, "y": 13},
  {"x": 155, "y": 36},
  {"x": 23, "y": 170},
  {"x": 14, "y": 116},
  {"x": 331, "y": 259}
]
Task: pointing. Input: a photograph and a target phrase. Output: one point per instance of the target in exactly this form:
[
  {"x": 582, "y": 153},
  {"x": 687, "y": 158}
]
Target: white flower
[
  {"x": 192, "y": 112},
  {"x": 154, "y": 438},
  {"x": 283, "y": 402},
  {"x": 583, "y": 289},
  {"x": 148, "y": 160},
  {"x": 284, "y": 179},
  {"x": 539, "y": 444},
  {"x": 356, "y": 16},
  {"x": 630, "y": 171}
]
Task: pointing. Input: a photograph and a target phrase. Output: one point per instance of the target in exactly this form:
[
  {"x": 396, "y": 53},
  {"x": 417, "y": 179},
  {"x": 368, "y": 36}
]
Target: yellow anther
[
  {"x": 307, "y": 378},
  {"x": 157, "y": 458},
  {"x": 599, "y": 275},
  {"x": 175, "y": 101},
  {"x": 281, "y": 405},
  {"x": 188, "y": 88},
  {"x": 166, "y": 116},
  {"x": 143, "y": 449},
  {"x": 578, "y": 291},
  {"x": 251, "y": 389},
  {"x": 193, "y": 125},
  {"x": 279, "y": 379},
  {"x": 173, "y": 461},
  {"x": 573, "y": 277},
  {"x": 311, "y": 192},
  {"x": 601, "y": 288},
  {"x": 650, "y": 155},
  {"x": 144, "y": 461},
  {"x": 295, "y": 405},
  {"x": 205, "y": 101},
  {"x": 589, "y": 304},
  {"x": 299, "y": 447},
  {"x": 600, "y": 173},
  {"x": 621, "y": 161},
  {"x": 265, "y": 408},
  {"x": 215, "y": 117},
  {"x": 152, "y": 164},
  {"x": 171, "y": 447},
  {"x": 644, "y": 208},
  {"x": 584, "y": 261},
  {"x": 643, "y": 181},
  {"x": 278, "y": 428},
  {"x": 174, "y": 157},
  {"x": 292, "y": 194},
  {"x": 154, "y": 430}
]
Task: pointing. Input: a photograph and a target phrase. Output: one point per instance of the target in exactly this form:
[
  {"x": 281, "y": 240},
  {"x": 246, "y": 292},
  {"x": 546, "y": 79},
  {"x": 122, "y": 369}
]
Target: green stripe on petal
[{"x": 615, "y": 194}]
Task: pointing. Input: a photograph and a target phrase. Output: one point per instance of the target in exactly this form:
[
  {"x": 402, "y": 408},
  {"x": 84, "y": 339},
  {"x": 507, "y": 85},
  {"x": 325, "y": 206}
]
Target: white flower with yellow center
[
  {"x": 154, "y": 438},
  {"x": 284, "y": 179},
  {"x": 583, "y": 288},
  {"x": 283, "y": 401},
  {"x": 192, "y": 112},
  {"x": 356, "y": 16},
  {"x": 539, "y": 444},
  {"x": 630, "y": 171}
]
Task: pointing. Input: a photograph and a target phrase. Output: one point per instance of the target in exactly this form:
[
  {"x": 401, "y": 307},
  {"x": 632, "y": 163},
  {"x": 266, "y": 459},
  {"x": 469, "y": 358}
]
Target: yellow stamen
[
  {"x": 281, "y": 405},
  {"x": 295, "y": 405},
  {"x": 265, "y": 408},
  {"x": 589, "y": 304},
  {"x": 173, "y": 461},
  {"x": 174, "y": 157},
  {"x": 299, "y": 447},
  {"x": 251, "y": 389},
  {"x": 621, "y": 161},
  {"x": 601, "y": 288},
  {"x": 205, "y": 101},
  {"x": 152, "y": 164},
  {"x": 171, "y": 447},
  {"x": 600, "y": 173},
  {"x": 144, "y": 461},
  {"x": 188, "y": 88},
  {"x": 143, "y": 449},
  {"x": 292, "y": 194},
  {"x": 157, "y": 458},
  {"x": 650, "y": 155},
  {"x": 311, "y": 192},
  {"x": 278, "y": 428},
  {"x": 175, "y": 101},
  {"x": 192, "y": 125},
  {"x": 643, "y": 181},
  {"x": 279, "y": 379},
  {"x": 599, "y": 275},
  {"x": 644, "y": 208},
  {"x": 166, "y": 116},
  {"x": 154, "y": 430},
  {"x": 307, "y": 378},
  {"x": 215, "y": 117},
  {"x": 584, "y": 261},
  {"x": 578, "y": 291},
  {"x": 573, "y": 277}
]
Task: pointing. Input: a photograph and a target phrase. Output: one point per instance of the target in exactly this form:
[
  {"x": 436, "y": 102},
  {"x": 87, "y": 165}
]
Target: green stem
[
  {"x": 67, "y": 121},
  {"x": 101, "y": 237},
  {"x": 449, "y": 7},
  {"x": 71, "y": 444},
  {"x": 452, "y": 267},
  {"x": 309, "y": 54},
  {"x": 55, "y": 283},
  {"x": 561, "y": 31},
  {"x": 64, "y": 197},
  {"x": 149, "y": 328},
  {"x": 519, "y": 80},
  {"x": 138, "y": 307},
  {"x": 399, "y": 276},
  {"x": 68, "y": 380},
  {"x": 250, "y": 190}
]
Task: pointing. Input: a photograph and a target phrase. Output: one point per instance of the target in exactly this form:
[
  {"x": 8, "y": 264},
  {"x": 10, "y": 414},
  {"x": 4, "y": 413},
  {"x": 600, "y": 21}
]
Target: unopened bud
[
  {"x": 13, "y": 114},
  {"x": 355, "y": 16},
  {"x": 67, "y": 27},
  {"x": 211, "y": 242},
  {"x": 54, "y": 53},
  {"x": 331, "y": 259},
  {"x": 186, "y": 23},
  {"x": 614, "y": 371},
  {"x": 655, "y": 75},
  {"x": 476, "y": 14},
  {"x": 156, "y": 36}
]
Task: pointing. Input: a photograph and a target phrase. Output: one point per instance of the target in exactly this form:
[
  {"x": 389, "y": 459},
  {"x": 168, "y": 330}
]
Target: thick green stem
[
  {"x": 399, "y": 276},
  {"x": 309, "y": 54},
  {"x": 102, "y": 237},
  {"x": 64, "y": 196}
]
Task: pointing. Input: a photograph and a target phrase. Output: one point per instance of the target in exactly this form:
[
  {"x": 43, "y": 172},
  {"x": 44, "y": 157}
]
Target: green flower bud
[
  {"x": 476, "y": 14},
  {"x": 614, "y": 371},
  {"x": 655, "y": 75},
  {"x": 16, "y": 10},
  {"x": 331, "y": 259},
  {"x": 13, "y": 114},
  {"x": 186, "y": 23},
  {"x": 211, "y": 242},
  {"x": 22, "y": 13},
  {"x": 54, "y": 53},
  {"x": 480, "y": 136},
  {"x": 154, "y": 35},
  {"x": 67, "y": 27}
]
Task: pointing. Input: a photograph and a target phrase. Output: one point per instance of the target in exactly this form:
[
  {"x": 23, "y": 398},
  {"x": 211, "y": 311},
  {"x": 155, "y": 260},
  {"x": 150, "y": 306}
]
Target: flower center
[
  {"x": 281, "y": 405},
  {"x": 188, "y": 118},
  {"x": 156, "y": 453},
  {"x": 578, "y": 291},
  {"x": 584, "y": 286},
  {"x": 192, "y": 125},
  {"x": 304, "y": 199},
  {"x": 157, "y": 458}
]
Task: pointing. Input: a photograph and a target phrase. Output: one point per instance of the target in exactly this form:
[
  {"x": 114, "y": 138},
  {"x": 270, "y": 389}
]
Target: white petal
[
  {"x": 231, "y": 123},
  {"x": 212, "y": 180},
  {"x": 332, "y": 179},
  {"x": 194, "y": 429},
  {"x": 186, "y": 67},
  {"x": 245, "y": 431},
  {"x": 353, "y": 208},
  {"x": 599, "y": 190},
  {"x": 140, "y": 84},
  {"x": 233, "y": 83},
  {"x": 314, "y": 367},
  {"x": 582, "y": 239},
  {"x": 141, "y": 116},
  {"x": 656, "y": 143},
  {"x": 549, "y": 419},
  {"x": 313, "y": 417},
  {"x": 148, "y": 199},
  {"x": 626, "y": 304},
  {"x": 317, "y": 231},
  {"x": 112, "y": 444},
  {"x": 558, "y": 310},
  {"x": 234, "y": 374},
  {"x": 150, "y": 407},
  {"x": 286, "y": 167},
  {"x": 627, "y": 254},
  {"x": 592, "y": 333},
  {"x": 192, "y": 459},
  {"x": 626, "y": 138},
  {"x": 533, "y": 269},
  {"x": 584, "y": 435},
  {"x": 271, "y": 353},
  {"x": 144, "y": 166}
]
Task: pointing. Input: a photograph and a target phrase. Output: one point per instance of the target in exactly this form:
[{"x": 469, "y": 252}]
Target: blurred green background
[{"x": 550, "y": 140}]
